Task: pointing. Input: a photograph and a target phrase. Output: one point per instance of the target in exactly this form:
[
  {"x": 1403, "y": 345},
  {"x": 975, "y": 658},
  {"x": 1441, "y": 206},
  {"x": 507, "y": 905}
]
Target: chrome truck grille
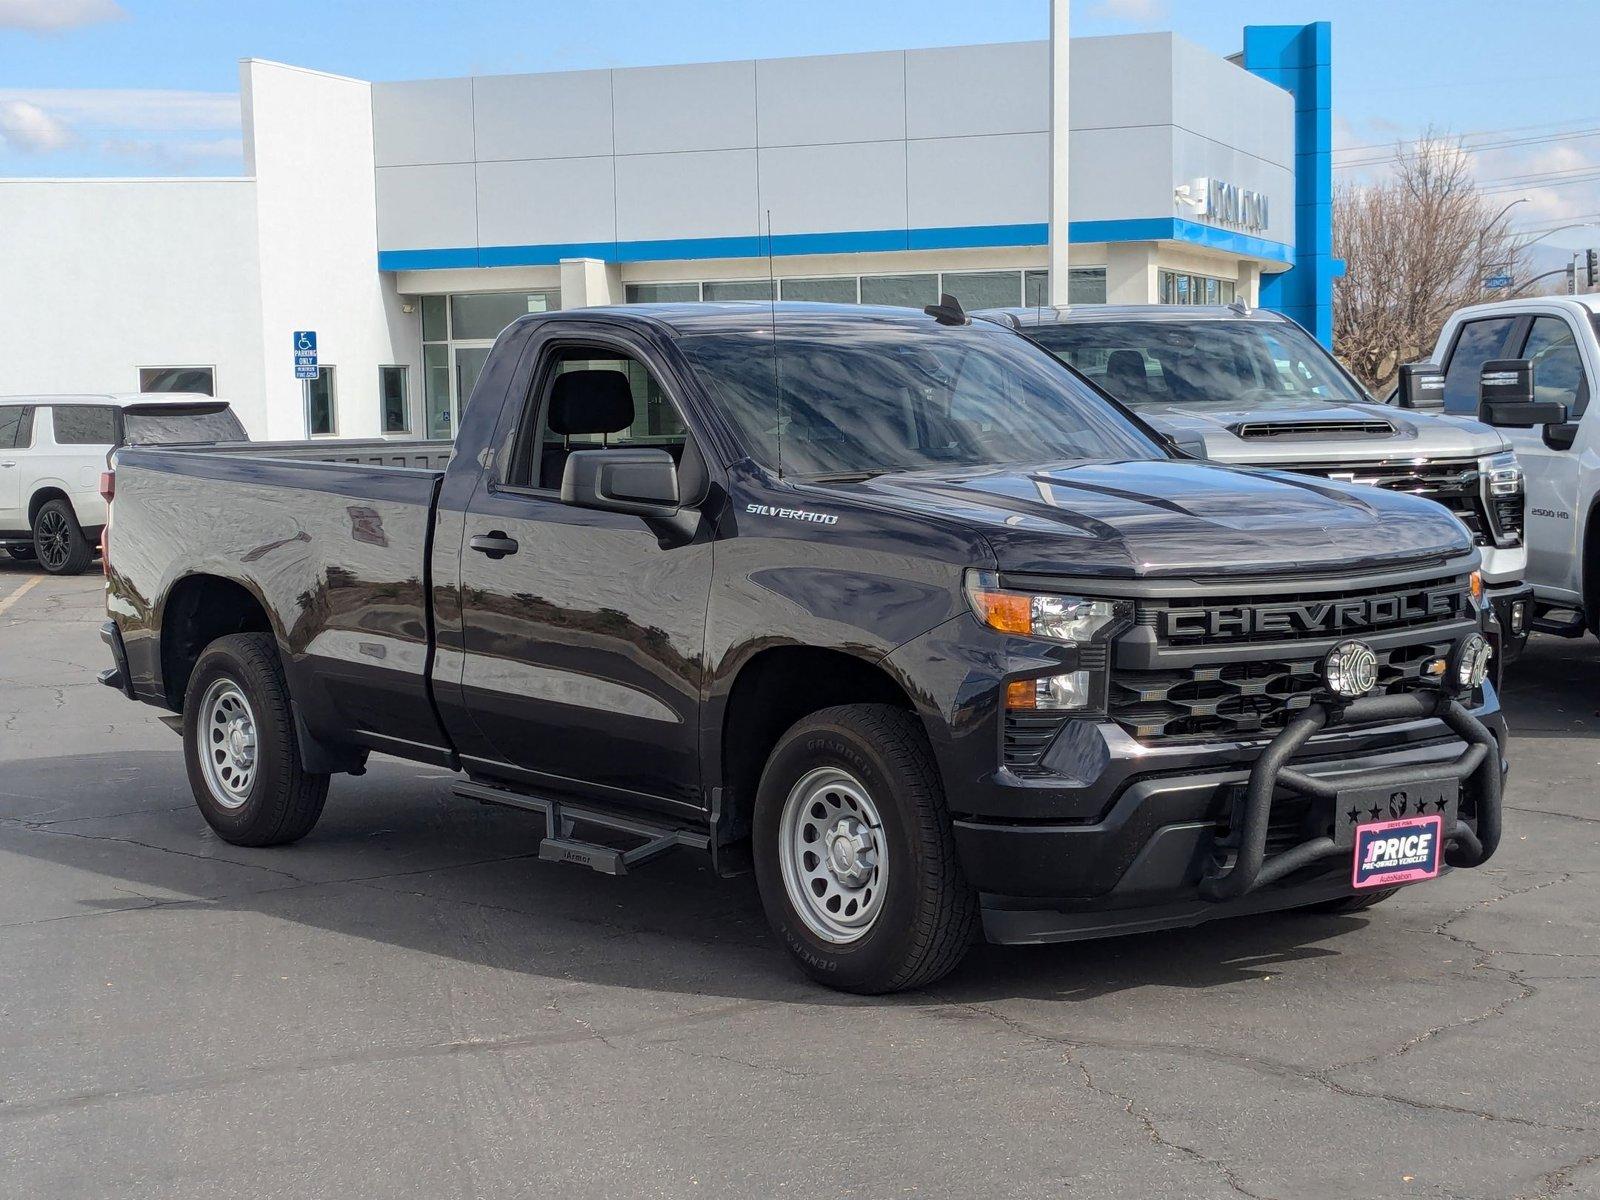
[{"x": 1456, "y": 483}]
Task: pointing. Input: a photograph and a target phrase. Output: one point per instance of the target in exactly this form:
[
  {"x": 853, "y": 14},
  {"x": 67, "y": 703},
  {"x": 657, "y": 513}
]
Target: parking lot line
[{"x": 5, "y": 605}]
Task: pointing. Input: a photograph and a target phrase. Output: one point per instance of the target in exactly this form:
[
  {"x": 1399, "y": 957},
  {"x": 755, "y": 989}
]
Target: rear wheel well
[
  {"x": 42, "y": 497},
  {"x": 199, "y": 610},
  {"x": 774, "y": 690}
]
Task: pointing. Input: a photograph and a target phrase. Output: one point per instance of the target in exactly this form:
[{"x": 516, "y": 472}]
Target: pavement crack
[
  {"x": 1153, "y": 1131},
  {"x": 1552, "y": 1183}
]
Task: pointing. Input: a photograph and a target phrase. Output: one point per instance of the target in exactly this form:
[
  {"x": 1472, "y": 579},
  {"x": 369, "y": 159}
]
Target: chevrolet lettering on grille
[{"x": 1308, "y": 618}]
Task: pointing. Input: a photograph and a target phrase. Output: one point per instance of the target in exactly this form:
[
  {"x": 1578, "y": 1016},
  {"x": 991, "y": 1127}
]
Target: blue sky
[{"x": 131, "y": 87}]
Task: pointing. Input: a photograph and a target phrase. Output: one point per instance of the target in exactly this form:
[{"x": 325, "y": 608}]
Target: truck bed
[{"x": 332, "y": 541}]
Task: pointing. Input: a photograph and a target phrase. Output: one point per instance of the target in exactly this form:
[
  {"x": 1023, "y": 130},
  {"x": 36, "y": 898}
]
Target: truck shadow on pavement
[{"x": 399, "y": 861}]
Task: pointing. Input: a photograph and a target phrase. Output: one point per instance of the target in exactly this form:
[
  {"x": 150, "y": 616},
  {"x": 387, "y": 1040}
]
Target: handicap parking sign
[{"x": 305, "y": 354}]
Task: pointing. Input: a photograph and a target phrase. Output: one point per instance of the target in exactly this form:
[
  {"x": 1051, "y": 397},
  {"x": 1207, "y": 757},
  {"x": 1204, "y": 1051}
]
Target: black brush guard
[{"x": 1476, "y": 770}]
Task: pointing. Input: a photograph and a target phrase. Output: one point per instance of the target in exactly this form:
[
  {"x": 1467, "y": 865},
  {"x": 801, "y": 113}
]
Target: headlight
[
  {"x": 1071, "y": 620},
  {"x": 1505, "y": 475}
]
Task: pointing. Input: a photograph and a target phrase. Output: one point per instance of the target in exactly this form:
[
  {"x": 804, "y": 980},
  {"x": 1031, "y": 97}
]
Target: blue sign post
[{"x": 305, "y": 354}]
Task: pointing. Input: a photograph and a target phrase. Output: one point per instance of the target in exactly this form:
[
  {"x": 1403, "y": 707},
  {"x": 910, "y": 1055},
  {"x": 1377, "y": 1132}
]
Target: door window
[
  {"x": 321, "y": 403},
  {"x": 1476, "y": 343},
  {"x": 597, "y": 398},
  {"x": 13, "y": 427},
  {"x": 1557, "y": 365}
]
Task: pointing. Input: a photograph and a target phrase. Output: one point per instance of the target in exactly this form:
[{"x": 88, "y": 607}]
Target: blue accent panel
[
  {"x": 426, "y": 260},
  {"x": 1298, "y": 58}
]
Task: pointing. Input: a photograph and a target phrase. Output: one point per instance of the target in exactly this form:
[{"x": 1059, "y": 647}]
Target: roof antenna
[
  {"x": 772, "y": 309},
  {"x": 948, "y": 311}
]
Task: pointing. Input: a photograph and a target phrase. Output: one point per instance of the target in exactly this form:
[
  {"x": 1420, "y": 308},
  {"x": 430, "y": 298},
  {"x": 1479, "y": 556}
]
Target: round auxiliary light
[
  {"x": 1350, "y": 670},
  {"x": 1471, "y": 665}
]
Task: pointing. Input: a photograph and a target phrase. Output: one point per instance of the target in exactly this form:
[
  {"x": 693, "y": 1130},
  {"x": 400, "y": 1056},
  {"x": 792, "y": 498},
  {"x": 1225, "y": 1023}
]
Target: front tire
[
  {"x": 240, "y": 746},
  {"x": 59, "y": 541},
  {"x": 855, "y": 857}
]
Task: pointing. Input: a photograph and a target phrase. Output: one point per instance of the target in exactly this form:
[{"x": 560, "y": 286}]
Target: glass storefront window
[
  {"x": 396, "y": 407},
  {"x": 320, "y": 409},
  {"x": 434, "y": 327},
  {"x": 901, "y": 291},
  {"x": 436, "y": 390},
  {"x": 826, "y": 291},
  {"x": 661, "y": 293},
  {"x": 739, "y": 289},
  {"x": 984, "y": 289},
  {"x": 1178, "y": 287},
  {"x": 480, "y": 316},
  {"x": 1085, "y": 285}
]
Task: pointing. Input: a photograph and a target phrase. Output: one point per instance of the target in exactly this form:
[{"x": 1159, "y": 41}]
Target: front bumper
[
  {"x": 1512, "y": 606},
  {"x": 1177, "y": 849}
]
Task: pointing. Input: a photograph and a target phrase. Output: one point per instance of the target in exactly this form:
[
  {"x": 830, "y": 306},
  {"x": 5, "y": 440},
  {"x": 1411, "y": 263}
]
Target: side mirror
[
  {"x": 643, "y": 482},
  {"x": 1421, "y": 386},
  {"x": 1506, "y": 396}
]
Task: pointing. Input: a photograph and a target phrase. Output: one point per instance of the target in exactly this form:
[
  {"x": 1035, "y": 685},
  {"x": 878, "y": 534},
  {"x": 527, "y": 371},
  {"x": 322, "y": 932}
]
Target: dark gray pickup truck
[{"x": 891, "y": 607}]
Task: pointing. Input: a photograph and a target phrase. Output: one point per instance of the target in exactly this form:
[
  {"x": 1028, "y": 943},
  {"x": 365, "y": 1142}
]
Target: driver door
[{"x": 584, "y": 644}]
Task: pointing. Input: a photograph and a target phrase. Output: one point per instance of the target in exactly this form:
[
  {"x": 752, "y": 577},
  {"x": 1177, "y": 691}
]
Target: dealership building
[{"x": 405, "y": 224}]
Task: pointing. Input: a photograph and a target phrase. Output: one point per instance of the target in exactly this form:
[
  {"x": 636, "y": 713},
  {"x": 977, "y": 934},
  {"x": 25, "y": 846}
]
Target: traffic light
[{"x": 1591, "y": 261}]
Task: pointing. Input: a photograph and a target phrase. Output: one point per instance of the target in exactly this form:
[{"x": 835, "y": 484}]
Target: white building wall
[
  {"x": 308, "y": 142},
  {"x": 99, "y": 277}
]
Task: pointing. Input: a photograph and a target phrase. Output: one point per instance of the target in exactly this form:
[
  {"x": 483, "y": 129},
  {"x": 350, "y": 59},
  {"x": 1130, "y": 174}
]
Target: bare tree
[{"x": 1416, "y": 248}]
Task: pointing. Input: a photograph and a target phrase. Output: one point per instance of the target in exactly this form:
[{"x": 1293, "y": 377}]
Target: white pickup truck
[
  {"x": 1557, "y": 439},
  {"x": 53, "y": 449}
]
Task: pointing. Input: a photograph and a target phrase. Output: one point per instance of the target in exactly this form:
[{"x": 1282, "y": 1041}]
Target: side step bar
[
  {"x": 559, "y": 844},
  {"x": 1571, "y": 625}
]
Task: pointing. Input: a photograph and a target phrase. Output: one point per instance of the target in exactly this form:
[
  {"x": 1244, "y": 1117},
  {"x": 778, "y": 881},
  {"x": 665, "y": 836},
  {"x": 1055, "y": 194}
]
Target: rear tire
[
  {"x": 1351, "y": 904},
  {"x": 855, "y": 856},
  {"x": 241, "y": 749},
  {"x": 59, "y": 541}
]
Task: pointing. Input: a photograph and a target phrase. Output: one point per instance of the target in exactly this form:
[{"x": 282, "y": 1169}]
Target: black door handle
[{"x": 494, "y": 543}]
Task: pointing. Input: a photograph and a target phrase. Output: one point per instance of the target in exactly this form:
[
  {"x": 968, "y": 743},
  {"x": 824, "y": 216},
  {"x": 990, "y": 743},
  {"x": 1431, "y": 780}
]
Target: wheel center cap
[{"x": 843, "y": 854}]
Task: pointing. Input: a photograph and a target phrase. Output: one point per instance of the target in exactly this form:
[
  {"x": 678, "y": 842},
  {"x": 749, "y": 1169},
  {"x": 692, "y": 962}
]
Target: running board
[
  {"x": 1572, "y": 626},
  {"x": 559, "y": 844}
]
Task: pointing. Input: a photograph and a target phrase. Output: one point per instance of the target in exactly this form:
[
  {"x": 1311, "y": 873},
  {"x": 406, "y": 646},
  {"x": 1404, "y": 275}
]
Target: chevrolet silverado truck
[
  {"x": 887, "y": 606},
  {"x": 1254, "y": 389},
  {"x": 1552, "y": 344}
]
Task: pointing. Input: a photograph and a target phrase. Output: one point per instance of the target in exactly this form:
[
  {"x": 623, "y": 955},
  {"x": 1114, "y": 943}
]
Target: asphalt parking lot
[{"x": 409, "y": 1004}]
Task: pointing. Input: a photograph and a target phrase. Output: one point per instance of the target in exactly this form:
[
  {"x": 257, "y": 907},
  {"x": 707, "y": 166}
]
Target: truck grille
[
  {"x": 1245, "y": 699},
  {"x": 1455, "y": 483},
  {"x": 1232, "y": 665}
]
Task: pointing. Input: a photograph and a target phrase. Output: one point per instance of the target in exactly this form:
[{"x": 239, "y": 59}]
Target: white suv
[{"x": 53, "y": 449}]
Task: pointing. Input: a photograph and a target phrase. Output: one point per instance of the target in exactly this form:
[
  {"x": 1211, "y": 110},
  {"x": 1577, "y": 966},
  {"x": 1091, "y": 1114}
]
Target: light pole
[
  {"x": 1060, "y": 136},
  {"x": 1483, "y": 267}
]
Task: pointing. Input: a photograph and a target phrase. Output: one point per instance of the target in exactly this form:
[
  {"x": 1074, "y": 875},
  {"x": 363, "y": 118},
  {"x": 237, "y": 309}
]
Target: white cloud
[
  {"x": 176, "y": 156},
  {"x": 1138, "y": 12},
  {"x": 130, "y": 109},
  {"x": 27, "y": 127},
  {"x": 52, "y": 16}
]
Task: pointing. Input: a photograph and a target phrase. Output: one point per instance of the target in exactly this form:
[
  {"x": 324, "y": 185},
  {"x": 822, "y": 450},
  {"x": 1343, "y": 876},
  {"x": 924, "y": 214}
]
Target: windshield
[
  {"x": 166, "y": 424},
  {"x": 1241, "y": 364},
  {"x": 862, "y": 398}
]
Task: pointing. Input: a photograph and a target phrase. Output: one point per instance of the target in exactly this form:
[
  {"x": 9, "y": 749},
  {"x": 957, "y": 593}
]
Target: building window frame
[
  {"x": 406, "y": 424},
  {"x": 209, "y": 368},
  {"x": 330, "y": 372}
]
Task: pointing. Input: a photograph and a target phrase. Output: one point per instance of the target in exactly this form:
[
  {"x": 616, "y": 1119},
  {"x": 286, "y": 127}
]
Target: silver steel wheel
[
  {"x": 834, "y": 855},
  {"x": 227, "y": 737}
]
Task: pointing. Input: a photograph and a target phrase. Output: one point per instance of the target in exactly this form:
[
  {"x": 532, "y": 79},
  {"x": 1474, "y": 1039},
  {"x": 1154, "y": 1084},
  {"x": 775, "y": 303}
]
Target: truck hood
[
  {"x": 1300, "y": 432},
  {"x": 1153, "y": 518}
]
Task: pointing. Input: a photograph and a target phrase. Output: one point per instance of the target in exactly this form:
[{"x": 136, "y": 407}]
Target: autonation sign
[{"x": 1227, "y": 203}]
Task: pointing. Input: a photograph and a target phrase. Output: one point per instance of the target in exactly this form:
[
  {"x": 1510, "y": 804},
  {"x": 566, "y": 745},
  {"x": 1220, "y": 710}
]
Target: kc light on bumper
[{"x": 1079, "y": 621}]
